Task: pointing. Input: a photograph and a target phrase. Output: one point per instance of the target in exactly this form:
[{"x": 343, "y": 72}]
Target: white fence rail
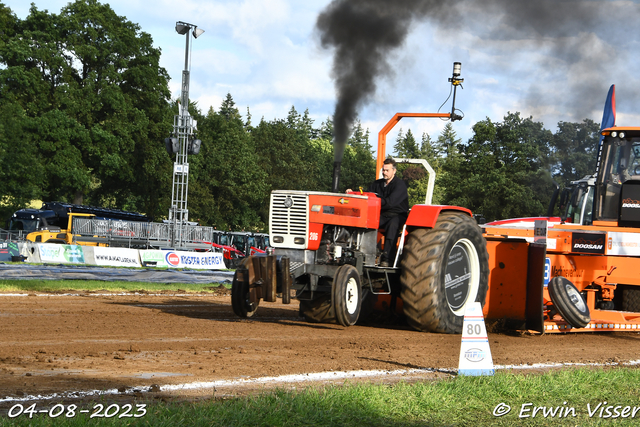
[{"x": 142, "y": 234}]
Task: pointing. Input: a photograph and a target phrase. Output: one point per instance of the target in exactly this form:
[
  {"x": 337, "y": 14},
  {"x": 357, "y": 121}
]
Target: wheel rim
[
  {"x": 462, "y": 276},
  {"x": 576, "y": 298},
  {"x": 351, "y": 296}
]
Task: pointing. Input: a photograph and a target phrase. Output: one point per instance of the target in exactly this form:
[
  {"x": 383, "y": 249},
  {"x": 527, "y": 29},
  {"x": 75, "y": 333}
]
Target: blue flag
[
  {"x": 609, "y": 114},
  {"x": 608, "y": 120}
]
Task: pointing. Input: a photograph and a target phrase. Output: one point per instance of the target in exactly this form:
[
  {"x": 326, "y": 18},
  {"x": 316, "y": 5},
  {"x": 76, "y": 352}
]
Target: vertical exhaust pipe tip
[{"x": 336, "y": 177}]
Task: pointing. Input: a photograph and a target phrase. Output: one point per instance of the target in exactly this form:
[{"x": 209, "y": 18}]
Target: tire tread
[{"x": 424, "y": 306}]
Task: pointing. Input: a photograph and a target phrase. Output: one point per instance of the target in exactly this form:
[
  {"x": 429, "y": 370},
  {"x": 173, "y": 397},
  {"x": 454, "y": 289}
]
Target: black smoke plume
[
  {"x": 583, "y": 38},
  {"x": 363, "y": 33}
]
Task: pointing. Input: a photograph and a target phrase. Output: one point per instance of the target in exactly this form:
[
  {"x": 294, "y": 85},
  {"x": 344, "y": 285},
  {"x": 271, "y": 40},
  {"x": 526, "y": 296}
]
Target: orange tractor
[
  {"x": 585, "y": 276},
  {"x": 326, "y": 247}
]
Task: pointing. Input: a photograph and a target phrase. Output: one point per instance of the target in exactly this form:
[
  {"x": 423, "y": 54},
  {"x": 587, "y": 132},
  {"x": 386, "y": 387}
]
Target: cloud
[{"x": 554, "y": 60}]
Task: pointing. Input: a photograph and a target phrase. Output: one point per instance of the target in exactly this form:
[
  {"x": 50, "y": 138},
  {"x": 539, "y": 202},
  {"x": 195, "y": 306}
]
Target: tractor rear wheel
[
  {"x": 240, "y": 303},
  {"x": 444, "y": 270}
]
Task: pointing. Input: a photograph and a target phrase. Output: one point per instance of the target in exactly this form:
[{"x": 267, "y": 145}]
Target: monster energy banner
[{"x": 61, "y": 253}]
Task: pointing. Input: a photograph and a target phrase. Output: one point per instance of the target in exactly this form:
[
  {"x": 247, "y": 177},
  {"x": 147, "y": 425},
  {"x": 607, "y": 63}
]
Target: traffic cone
[{"x": 475, "y": 354}]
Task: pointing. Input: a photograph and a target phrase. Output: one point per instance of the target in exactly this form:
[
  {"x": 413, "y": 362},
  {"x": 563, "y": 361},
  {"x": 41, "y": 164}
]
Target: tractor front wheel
[
  {"x": 346, "y": 295},
  {"x": 444, "y": 270}
]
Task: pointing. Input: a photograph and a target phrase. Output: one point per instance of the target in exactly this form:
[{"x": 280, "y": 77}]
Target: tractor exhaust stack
[{"x": 336, "y": 176}]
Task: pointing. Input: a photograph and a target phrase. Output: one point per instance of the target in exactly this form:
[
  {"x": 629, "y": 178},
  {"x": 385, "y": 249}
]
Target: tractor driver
[{"x": 394, "y": 202}]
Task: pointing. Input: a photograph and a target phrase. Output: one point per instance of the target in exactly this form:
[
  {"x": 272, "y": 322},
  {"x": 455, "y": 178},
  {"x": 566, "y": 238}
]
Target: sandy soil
[{"x": 140, "y": 343}]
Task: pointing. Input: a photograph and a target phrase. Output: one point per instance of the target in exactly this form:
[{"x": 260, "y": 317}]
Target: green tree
[
  {"x": 20, "y": 171},
  {"x": 358, "y": 165},
  {"x": 450, "y": 160},
  {"x": 96, "y": 102},
  {"x": 432, "y": 153},
  {"x": 21, "y": 174},
  {"x": 502, "y": 162},
  {"x": 227, "y": 186},
  {"x": 574, "y": 148},
  {"x": 326, "y": 129},
  {"x": 288, "y": 158},
  {"x": 429, "y": 151},
  {"x": 406, "y": 146}
]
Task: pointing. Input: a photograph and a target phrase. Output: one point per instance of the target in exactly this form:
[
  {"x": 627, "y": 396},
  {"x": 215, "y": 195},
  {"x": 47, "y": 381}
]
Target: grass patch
[
  {"x": 460, "y": 401},
  {"x": 109, "y": 286}
]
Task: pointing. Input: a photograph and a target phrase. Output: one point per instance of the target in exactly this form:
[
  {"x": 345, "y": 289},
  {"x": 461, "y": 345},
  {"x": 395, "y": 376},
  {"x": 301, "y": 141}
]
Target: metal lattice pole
[{"x": 183, "y": 128}]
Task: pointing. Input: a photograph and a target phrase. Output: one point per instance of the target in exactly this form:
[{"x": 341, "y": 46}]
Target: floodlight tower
[{"x": 182, "y": 143}]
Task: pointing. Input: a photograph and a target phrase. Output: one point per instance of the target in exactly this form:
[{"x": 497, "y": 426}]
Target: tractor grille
[{"x": 288, "y": 215}]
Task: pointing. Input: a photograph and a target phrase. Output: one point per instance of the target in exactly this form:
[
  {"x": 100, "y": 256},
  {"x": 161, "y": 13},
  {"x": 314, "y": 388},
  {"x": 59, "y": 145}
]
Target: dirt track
[{"x": 54, "y": 344}]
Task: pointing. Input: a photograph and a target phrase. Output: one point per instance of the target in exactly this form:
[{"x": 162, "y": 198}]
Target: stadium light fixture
[
  {"x": 182, "y": 28},
  {"x": 197, "y": 32}
]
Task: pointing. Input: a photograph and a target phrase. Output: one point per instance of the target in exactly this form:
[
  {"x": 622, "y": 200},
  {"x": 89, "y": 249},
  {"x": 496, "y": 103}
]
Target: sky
[{"x": 550, "y": 59}]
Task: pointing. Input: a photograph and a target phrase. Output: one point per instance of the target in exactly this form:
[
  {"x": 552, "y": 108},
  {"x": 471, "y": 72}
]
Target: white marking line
[
  {"x": 566, "y": 364},
  {"x": 176, "y": 305},
  {"x": 296, "y": 378},
  {"x": 136, "y": 294}
]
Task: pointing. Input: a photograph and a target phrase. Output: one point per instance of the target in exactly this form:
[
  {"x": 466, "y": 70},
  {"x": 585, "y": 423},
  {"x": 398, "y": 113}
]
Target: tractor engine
[
  {"x": 339, "y": 245},
  {"x": 324, "y": 228}
]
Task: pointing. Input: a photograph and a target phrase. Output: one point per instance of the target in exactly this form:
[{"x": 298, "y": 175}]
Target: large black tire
[
  {"x": 346, "y": 295},
  {"x": 240, "y": 298},
  {"x": 444, "y": 270},
  {"x": 568, "y": 302},
  {"x": 631, "y": 299},
  {"x": 317, "y": 310}
]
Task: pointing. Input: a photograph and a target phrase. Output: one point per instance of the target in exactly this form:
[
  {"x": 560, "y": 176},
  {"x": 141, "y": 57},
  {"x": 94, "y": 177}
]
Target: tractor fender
[{"x": 427, "y": 215}]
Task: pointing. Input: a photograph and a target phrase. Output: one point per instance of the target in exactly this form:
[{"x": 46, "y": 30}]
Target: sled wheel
[
  {"x": 240, "y": 298},
  {"x": 444, "y": 270},
  {"x": 346, "y": 295},
  {"x": 317, "y": 310},
  {"x": 568, "y": 302}
]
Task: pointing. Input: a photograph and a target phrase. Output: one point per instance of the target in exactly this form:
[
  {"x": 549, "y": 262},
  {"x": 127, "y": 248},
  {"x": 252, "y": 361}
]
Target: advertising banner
[
  {"x": 117, "y": 257},
  {"x": 623, "y": 244},
  {"x": 183, "y": 259},
  {"x": 50, "y": 252},
  {"x": 588, "y": 243},
  {"x": 8, "y": 250}
]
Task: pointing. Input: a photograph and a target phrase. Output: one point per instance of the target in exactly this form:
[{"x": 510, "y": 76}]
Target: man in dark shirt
[{"x": 393, "y": 210}]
